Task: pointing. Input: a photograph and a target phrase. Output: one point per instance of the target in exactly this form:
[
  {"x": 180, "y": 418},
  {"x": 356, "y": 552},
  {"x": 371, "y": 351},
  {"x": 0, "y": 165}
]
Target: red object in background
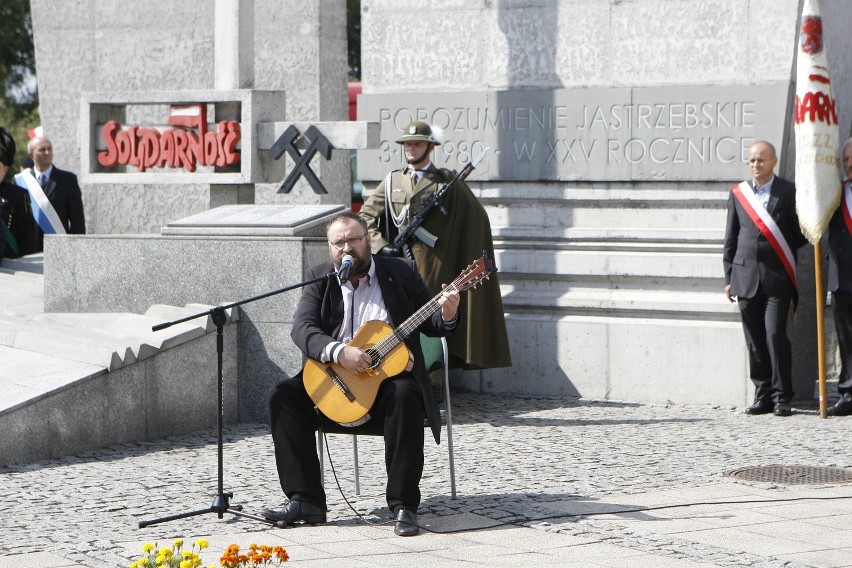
[{"x": 354, "y": 91}]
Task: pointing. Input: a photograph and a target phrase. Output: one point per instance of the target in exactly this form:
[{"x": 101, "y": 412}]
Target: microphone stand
[{"x": 221, "y": 502}]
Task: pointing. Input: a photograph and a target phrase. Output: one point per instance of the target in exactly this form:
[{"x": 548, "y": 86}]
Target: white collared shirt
[
  {"x": 763, "y": 191},
  {"x": 46, "y": 172},
  {"x": 360, "y": 305},
  {"x": 418, "y": 173}
]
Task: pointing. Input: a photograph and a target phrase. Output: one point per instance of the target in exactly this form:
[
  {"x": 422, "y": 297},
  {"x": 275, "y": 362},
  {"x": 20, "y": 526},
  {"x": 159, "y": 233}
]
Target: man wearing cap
[
  {"x": 17, "y": 228},
  {"x": 462, "y": 233}
]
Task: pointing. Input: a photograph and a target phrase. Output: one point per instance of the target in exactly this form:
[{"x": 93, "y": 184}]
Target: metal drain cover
[{"x": 793, "y": 474}]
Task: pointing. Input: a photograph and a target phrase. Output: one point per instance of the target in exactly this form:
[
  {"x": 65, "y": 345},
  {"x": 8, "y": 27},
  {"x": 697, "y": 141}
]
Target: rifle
[{"x": 403, "y": 240}]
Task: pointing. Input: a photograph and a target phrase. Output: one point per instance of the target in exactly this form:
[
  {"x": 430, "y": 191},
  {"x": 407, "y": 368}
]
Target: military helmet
[
  {"x": 7, "y": 147},
  {"x": 421, "y": 131}
]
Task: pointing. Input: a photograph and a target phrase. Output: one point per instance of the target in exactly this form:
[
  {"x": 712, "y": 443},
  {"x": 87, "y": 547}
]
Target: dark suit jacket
[
  {"x": 64, "y": 194},
  {"x": 839, "y": 254},
  {"x": 319, "y": 316},
  {"x": 15, "y": 211},
  {"x": 748, "y": 257}
]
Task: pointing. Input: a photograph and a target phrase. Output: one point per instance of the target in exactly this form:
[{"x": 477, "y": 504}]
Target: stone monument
[{"x": 616, "y": 128}]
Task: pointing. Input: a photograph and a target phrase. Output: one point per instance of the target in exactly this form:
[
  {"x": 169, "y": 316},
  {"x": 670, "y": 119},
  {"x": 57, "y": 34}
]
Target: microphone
[{"x": 343, "y": 272}]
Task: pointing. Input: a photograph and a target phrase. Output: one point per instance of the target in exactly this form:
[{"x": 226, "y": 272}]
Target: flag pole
[
  {"x": 817, "y": 171},
  {"x": 820, "y": 313}
]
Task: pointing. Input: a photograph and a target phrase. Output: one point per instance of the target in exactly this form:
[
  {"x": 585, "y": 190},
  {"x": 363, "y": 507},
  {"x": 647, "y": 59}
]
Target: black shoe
[
  {"x": 406, "y": 522},
  {"x": 296, "y": 512},
  {"x": 759, "y": 407},
  {"x": 842, "y": 407},
  {"x": 782, "y": 409}
]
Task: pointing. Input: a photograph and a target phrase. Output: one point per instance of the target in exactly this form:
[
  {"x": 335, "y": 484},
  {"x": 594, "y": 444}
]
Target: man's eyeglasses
[{"x": 351, "y": 241}]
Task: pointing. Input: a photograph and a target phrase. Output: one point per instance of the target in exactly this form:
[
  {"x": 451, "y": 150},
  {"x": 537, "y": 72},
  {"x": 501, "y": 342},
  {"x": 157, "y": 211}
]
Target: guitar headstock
[{"x": 479, "y": 270}]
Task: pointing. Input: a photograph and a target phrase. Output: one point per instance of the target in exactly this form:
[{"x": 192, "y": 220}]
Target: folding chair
[{"x": 436, "y": 357}]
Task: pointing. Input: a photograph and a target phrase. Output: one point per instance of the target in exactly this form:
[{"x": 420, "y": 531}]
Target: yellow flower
[
  {"x": 201, "y": 543},
  {"x": 178, "y": 543},
  {"x": 147, "y": 547}
]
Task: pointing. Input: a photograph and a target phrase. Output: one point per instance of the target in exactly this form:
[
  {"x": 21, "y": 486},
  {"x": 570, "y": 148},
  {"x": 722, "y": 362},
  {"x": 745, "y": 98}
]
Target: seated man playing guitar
[{"x": 327, "y": 327}]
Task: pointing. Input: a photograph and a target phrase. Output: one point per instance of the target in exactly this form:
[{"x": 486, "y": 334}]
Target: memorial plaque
[
  {"x": 598, "y": 134},
  {"x": 256, "y": 220}
]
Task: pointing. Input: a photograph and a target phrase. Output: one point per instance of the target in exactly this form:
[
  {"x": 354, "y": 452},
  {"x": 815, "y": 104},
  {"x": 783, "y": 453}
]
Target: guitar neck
[{"x": 410, "y": 325}]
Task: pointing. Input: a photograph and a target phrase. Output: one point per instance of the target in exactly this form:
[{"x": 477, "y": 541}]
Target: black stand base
[{"x": 220, "y": 506}]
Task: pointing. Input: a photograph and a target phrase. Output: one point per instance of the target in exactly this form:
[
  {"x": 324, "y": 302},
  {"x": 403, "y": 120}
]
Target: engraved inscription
[{"x": 593, "y": 134}]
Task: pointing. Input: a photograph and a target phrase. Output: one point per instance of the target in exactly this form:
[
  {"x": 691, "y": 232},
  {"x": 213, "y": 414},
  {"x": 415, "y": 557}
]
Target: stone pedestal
[{"x": 221, "y": 256}]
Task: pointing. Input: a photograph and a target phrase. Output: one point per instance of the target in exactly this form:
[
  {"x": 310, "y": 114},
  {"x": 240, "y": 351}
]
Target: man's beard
[{"x": 360, "y": 266}]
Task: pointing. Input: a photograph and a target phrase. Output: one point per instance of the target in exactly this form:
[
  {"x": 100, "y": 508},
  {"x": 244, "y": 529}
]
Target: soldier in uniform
[{"x": 463, "y": 233}]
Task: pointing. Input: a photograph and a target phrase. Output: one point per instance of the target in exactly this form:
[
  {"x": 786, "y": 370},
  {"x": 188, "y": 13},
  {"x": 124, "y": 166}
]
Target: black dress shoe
[
  {"x": 296, "y": 512},
  {"x": 406, "y": 522},
  {"x": 842, "y": 407},
  {"x": 782, "y": 409},
  {"x": 759, "y": 407}
]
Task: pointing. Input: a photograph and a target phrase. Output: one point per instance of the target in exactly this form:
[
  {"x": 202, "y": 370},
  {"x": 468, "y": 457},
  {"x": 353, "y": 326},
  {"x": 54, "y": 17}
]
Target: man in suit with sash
[
  {"x": 55, "y": 195},
  {"x": 762, "y": 236},
  {"x": 840, "y": 284}
]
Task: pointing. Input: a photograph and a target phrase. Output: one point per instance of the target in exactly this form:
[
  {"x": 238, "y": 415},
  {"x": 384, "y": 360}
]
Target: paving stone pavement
[{"x": 555, "y": 481}]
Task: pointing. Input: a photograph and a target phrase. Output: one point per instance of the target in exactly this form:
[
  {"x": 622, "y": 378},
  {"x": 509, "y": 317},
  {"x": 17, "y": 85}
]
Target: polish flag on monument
[{"x": 817, "y": 162}]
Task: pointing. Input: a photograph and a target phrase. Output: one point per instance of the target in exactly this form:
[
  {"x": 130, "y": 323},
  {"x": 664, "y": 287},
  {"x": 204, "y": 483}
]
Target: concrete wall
[
  {"x": 129, "y": 273},
  {"x": 613, "y": 287},
  {"x": 164, "y": 45},
  {"x": 142, "y": 401}
]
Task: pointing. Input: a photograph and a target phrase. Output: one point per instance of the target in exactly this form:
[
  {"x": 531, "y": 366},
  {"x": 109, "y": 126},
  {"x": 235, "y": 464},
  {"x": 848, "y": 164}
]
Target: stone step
[
  {"x": 612, "y": 236},
  {"x": 701, "y": 302},
  {"x": 532, "y": 216},
  {"x": 110, "y": 340},
  {"x": 639, "y": 264}
]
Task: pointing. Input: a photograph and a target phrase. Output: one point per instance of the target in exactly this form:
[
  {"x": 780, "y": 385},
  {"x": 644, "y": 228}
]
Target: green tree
[{"x": 19, "y": 96}]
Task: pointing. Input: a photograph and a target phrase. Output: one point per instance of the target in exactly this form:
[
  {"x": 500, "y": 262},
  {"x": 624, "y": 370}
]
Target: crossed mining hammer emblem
[{"x": 287, "y": 142}]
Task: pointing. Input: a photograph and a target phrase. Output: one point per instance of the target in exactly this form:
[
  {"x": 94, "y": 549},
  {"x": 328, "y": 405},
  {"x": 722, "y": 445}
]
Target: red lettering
[
  {"x": 210, "y": 149},
  {"x": 131, "y": 135},
  {"x": 816, "y": 107},
  {"x": 230, "y": 145},
  {"x": 186, "y": 146},
  {"x": 149, "y": 148},
  {"x": 109, "y": 158},
  {"x": 181, "y": 158},
  {"x": 124, "y": 146},
  {"x": 167, "y": 149}
]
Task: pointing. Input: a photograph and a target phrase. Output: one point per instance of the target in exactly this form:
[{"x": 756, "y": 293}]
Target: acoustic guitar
[{"x": 345, "y": 396}]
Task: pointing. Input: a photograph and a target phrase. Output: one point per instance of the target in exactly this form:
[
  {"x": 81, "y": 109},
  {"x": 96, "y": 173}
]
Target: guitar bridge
[{"x": 338, "y": 382}]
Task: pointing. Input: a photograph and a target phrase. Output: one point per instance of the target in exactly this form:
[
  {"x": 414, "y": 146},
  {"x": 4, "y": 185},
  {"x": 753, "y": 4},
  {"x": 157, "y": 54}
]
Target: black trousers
[
  {"x": 769, "y": 352},
  {"x": 294, "y": 422},
  {"x": 842, "y": 306}
]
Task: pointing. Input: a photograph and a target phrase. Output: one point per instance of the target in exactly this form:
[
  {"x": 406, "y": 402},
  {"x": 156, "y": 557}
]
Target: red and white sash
[
  {"x": 760, "y": 216},
  {"x": 846, "y": 204}
]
